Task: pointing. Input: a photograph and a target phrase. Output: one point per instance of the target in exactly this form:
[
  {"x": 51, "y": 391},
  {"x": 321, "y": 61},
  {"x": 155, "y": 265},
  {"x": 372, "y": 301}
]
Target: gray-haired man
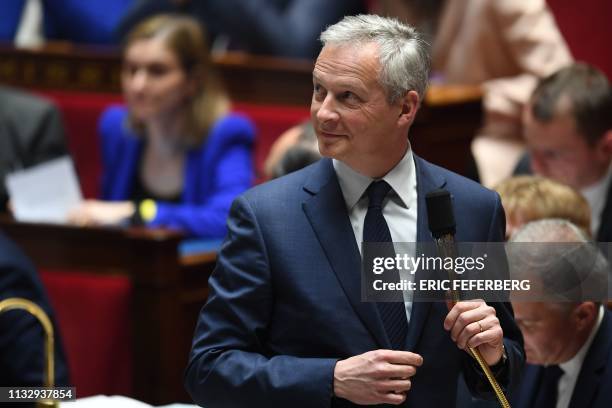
[{"x": 285, "y": 324}]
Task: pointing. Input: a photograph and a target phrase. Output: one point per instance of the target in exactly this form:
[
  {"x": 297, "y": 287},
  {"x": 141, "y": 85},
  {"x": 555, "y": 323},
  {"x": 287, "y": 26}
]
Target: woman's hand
[{"x": 96, "y": 212}]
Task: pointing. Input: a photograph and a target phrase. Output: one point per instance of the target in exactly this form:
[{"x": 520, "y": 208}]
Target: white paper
[
  {"x": 115, "y": 401},
  {"x": 44, "y": 193},
  {"x": 105, "y": 401}
]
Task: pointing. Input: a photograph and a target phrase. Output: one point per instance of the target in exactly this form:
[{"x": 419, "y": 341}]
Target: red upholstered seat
[
  {"x": 80, "y": 111},
  {"x": 270, "y": 122},
  {"x": 94, "y": 318}
]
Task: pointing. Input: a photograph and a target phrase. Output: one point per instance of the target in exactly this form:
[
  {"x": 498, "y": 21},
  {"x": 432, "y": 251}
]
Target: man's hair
[
  {"x": 570, "y": 266},
  {"x": 590, "y": 95},
  {"x": 402, "y": 53},
  {"x": 531, "y": 198},
  {"x": 301, "y": 154}
]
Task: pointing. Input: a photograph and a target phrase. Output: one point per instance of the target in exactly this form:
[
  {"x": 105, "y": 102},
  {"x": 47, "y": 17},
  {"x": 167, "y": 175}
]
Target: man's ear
[
  {"x": 605, "y": 143},
  {"x": 409, "y": 105},
  {"x": 585, "y": 314}
]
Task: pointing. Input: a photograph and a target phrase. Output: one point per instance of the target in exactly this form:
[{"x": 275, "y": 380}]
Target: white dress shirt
[
  {"x": 399, "y": 208},
  {"x": 596, "y": 196},
  {"x": 571, "y": 368}
]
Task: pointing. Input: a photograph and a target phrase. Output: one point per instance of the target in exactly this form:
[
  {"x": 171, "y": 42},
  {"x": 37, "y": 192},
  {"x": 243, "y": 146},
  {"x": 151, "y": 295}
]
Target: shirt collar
[
  {"x": 599, "y": 189},
  {"x": 401, "y": 178},
  {"x": 596, "y": 196},
  {"x": 573, "y": 365}
]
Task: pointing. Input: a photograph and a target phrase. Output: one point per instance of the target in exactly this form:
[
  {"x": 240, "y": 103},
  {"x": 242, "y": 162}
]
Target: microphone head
[{"x": 440, "y": 213}]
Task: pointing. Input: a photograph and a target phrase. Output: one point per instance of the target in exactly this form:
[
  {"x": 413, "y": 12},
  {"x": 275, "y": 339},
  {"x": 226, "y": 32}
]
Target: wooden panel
[{"x": 247, "y": 78}]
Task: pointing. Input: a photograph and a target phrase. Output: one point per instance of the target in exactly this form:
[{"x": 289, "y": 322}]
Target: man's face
[
  {"x": 560, "y": 152},
  {"x": 352, "y": 117},
  {"x": 546, "y": 330}
]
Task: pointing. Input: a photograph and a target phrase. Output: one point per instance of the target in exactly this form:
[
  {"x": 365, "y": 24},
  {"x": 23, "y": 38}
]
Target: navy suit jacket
[
  {"x": 22, "y": 349},
  {"x": 594, "y": 385},
  {"x": 284, "y": 302}
]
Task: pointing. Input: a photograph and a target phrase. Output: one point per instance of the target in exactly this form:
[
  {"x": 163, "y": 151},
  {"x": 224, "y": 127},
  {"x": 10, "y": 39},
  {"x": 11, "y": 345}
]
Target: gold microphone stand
[
  {"x": 474, "y": 352},
  {"x": 43, "y": 319}
]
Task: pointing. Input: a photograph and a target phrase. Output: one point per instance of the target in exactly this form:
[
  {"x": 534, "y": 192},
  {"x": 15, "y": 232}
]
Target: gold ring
[{"x": 480, "y": 325}]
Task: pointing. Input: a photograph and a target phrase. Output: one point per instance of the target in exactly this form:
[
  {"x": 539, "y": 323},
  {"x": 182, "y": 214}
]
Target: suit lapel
[
  {"x": 525, "y": 395},
  {"x": 604, "y": 234},
  {"x": 593, "y": 366},
  {"x": 326, "y": 211},
  {"x": 426, "y": 182}
]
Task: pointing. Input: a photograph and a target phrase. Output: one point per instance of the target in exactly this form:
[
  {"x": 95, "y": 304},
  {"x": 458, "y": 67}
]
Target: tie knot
[
  {"x": 377, "y": 191},
  {"x": 554, "y": 372}
]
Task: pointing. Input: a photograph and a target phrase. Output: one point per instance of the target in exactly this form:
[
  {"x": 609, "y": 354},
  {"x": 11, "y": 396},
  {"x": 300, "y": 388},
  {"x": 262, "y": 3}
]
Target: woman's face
[{"x": 155, "y": 85}]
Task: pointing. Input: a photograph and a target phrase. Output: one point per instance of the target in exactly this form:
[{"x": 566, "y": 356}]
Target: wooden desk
[{"x": 168, "y": 291}]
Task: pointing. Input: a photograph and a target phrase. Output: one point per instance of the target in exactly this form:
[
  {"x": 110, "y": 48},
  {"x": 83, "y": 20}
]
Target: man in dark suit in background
[
  {"x": 31, "y": 132},
  {"x": 284, "y": 28},
  {"x": 285, "y": 324},
  {"x": 22, "y": 346},
  {"x": 568, "y": 129},
  {"x": 568, "y": 343}
]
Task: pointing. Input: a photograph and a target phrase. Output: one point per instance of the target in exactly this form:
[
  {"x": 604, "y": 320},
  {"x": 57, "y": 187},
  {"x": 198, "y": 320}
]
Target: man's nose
[{"x": 327, "y": 114}]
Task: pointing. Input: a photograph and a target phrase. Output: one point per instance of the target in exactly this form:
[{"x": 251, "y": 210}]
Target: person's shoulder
[
  {"x": 283, "y": 189},
  {"x": 233, "y": 128},
  {"x": 21, "y": 102},
  {"x": 114, "y": 114},
  {"x": 12, "y": 258},
  {"x": 113, "y": 123},
  {"x": 457, "y": 184}
]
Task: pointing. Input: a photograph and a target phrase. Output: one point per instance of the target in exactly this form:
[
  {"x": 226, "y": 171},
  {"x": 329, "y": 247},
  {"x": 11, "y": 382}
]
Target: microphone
[{"x": 441, "y": 220}]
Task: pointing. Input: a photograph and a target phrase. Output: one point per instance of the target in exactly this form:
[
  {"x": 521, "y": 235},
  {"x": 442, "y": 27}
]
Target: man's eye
[
  {"x": 348, "y": 95},
  {"x": 318, "y": 90}
]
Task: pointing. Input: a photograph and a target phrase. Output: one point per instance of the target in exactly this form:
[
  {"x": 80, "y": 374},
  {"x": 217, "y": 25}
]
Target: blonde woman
[{"x": 173, "y": 156}]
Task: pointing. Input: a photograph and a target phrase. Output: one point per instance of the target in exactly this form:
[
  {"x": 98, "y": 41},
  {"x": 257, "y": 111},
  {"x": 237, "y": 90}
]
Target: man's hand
[
  {"x": 475, "y": 324},
  {"x": 376, "y": 377}
]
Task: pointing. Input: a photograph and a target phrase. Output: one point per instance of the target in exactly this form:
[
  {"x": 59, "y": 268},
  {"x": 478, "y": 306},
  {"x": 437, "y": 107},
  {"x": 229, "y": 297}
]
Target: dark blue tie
[
  {"x": 546, "y": 394},
  {"x": 375, "y": 229}
]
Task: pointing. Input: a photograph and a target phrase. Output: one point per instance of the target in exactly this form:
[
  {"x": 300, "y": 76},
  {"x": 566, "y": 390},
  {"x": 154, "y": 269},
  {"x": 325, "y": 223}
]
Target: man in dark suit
[
  {"x": 22, "y": 350},
  {"x": 568, "y": 129},
  {"x": 284, "y": 28},
  {"x": 568, "y": 344},
  {"x": 285, "y": 324},
  {"x": 31, "y": 132}
]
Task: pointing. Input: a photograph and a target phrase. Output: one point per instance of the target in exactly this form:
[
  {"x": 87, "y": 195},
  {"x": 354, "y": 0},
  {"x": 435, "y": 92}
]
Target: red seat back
[{"x": 94, "y": 319}]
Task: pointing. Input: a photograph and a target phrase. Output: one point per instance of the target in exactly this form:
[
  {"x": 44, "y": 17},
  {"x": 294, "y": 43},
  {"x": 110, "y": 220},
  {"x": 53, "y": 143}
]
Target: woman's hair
[
  {"x": 184, "y": 37},
  {"x": 531, "y": 198}
]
